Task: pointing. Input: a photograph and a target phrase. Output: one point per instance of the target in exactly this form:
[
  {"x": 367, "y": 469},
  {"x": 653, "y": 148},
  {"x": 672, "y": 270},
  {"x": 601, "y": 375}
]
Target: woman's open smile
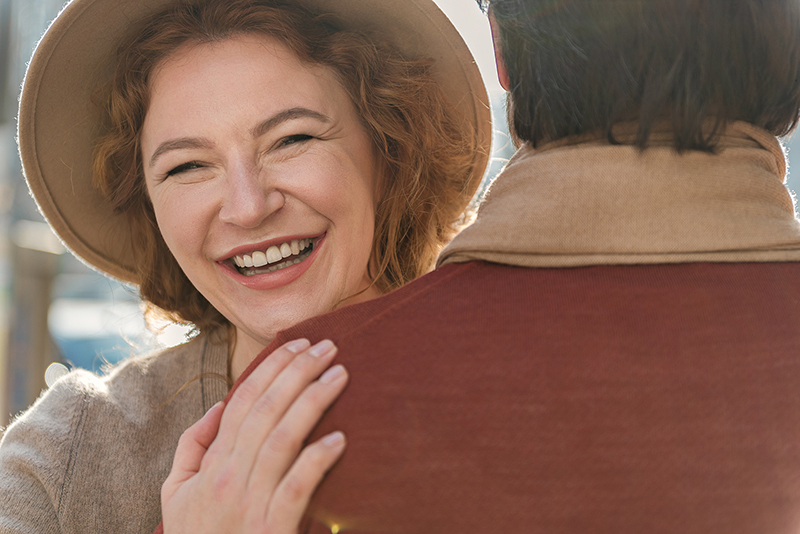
[
  {"x": 274, "y": 258},
  {"x": 256, "y": 271},
  {"x": 263, "y": 181}
]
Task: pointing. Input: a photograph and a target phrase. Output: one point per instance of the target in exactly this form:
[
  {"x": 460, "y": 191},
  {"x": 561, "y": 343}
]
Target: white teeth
[
  {"x": 274, "y": 254},
  {"x": 259, "y": 259}
]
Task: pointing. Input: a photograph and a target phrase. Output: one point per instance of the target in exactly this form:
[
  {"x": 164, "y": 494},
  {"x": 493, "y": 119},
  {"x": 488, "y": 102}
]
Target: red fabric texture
[{"x": 610, "y": 399}]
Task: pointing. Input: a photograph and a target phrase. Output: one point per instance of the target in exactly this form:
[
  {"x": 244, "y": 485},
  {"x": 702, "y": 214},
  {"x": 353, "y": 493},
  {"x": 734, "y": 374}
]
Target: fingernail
[
  {"x": 332, "y": 375},
  {"x": 334, "y": 439},
  {"x": 217, "y": 405},
  {"x": 321, "y": 348},
  {"x": 298, "y": 345}
]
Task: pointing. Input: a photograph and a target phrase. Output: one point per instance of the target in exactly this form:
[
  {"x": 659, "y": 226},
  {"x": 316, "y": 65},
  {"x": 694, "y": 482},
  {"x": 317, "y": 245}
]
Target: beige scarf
[{"x": 578, "y": 202}]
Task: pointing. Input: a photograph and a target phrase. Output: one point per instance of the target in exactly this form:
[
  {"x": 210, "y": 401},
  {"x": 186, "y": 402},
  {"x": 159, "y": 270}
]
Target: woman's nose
[{"x": 249, "y": 200}]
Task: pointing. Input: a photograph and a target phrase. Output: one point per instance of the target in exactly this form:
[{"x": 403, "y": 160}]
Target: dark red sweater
[{"x": 614, "y": 399}]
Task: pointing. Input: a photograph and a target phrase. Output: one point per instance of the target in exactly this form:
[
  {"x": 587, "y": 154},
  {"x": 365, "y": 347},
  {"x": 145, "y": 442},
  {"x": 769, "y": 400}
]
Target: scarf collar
[{"x": 581, "y": 201}]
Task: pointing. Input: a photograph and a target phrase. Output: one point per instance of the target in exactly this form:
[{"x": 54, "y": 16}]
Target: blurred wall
[{"x": 26, "y": 272}]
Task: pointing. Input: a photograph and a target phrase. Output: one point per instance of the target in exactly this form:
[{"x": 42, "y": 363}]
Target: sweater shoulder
[
  {"x": 34, "y": 453},
  {"x": 134, "y": 384},
  {"x": 141, "y": 384},
  {"x": 54, "y": 457}
]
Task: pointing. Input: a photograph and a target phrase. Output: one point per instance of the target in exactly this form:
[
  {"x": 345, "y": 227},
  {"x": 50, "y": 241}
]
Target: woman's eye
[
  {"x": 292, "y": 139},
  {"x": 191, "y": 165}
]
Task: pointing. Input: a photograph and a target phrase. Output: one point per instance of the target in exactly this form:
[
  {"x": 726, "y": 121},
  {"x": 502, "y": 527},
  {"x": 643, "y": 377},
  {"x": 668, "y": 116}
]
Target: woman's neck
[{"x": 245, "y": 350}]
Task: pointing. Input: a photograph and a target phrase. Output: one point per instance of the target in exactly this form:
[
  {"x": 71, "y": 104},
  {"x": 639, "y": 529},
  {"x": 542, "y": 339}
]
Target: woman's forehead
[
  {"x": 238, "y": 48},
  {"x": 253, "y": 71}
]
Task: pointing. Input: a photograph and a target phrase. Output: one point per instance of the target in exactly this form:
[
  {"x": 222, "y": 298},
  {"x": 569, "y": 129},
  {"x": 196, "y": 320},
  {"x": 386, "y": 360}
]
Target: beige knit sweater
[{"x": 92, "y": 453}]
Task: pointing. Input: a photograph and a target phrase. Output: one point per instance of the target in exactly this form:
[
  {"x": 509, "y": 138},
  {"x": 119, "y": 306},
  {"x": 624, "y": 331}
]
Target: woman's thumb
[{"x": 194, "y": 443}]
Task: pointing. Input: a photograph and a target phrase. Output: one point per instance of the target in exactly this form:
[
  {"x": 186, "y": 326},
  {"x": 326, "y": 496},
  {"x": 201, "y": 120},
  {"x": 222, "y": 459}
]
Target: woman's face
[{"x": 263, "y": 182}]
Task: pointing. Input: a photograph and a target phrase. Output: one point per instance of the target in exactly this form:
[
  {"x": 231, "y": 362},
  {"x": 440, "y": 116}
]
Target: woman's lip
[
  {"x": 249, "y": 249},
  {"x": 275, "y": 279}
]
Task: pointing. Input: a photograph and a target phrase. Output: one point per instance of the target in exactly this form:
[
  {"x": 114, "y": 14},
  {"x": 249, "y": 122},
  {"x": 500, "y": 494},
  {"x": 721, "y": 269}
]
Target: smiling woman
[
  {"x": 276, "y": 160},
  {"x": 428, "y": 154},
  {"x": 251, "y": 164}
]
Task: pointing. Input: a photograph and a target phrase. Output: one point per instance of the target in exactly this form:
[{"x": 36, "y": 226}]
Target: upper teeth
[{"x": 273, "y": 254}]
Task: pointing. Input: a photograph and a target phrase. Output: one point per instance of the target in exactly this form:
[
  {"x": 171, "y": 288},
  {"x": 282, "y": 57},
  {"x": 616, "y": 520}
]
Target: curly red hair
[{"x": 427, "y": 155}]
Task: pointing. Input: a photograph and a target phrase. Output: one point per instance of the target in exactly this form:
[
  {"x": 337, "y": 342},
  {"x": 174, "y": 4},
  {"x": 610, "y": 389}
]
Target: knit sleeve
[{"x": 36, "y": 452}]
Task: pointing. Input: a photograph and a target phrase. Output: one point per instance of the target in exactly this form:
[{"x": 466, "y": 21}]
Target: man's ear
[{"x": 502, "y": 73}]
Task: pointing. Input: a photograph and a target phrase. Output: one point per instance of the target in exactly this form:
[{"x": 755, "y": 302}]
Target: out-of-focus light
[
  {"x": 54, "y": 372},
  {"x": 173, "y": 334},
  {"x": 36, "y": 236},
  {"x": 334, "y": 529}
]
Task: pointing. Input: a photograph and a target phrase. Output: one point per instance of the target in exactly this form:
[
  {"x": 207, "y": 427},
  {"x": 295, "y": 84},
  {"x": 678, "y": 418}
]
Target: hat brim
[{"x": 59, "y": 121}]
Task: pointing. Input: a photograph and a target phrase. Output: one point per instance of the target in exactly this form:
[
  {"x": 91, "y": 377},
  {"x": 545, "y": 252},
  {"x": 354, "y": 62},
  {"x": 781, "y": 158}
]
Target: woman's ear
[{"x": 502, "y": 73}]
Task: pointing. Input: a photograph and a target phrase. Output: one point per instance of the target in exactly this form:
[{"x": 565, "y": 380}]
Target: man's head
[{"x": 579, "y": 66}]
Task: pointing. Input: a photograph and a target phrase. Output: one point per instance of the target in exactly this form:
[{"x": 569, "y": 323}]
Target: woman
[{"x": 260, "y": 162}]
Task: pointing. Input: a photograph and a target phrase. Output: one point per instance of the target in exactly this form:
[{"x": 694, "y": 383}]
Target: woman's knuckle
[
  {"x": 314, "y": 455},
  {"x": 317, "y": 395},
  {"x": 248, "y": 505},
  {"x": 210, "y": 459},
  {"x": 223, "y": 482},
  {"x": 279, "y": 357},
  {"x": 186, "y": 438},
  {"x": 304, "y": 363},
  {"x": 267, "y": 404},
  {"x": 294, "y": 489},
  {"x": 282, "y": 439},
  {"x": 247, "y": 392}
]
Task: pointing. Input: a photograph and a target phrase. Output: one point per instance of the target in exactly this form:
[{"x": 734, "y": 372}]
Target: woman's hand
[{"x": 240, "y": 470}]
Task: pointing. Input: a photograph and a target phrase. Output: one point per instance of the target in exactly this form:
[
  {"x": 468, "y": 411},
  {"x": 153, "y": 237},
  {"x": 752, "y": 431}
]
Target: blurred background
[{"x": 56, "y": 313}]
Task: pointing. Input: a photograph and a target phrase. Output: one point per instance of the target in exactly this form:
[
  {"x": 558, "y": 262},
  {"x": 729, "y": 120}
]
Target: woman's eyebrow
[
  {"x": 287, "y": 115},
  {"x": 258, "y": 131},
  {"x": 178, "y": 144}
]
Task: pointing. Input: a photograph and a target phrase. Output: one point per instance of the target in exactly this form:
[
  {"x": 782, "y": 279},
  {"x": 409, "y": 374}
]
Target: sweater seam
[
  {"x": 202, "y": 373},
  {"x": 77, "y": 437}
]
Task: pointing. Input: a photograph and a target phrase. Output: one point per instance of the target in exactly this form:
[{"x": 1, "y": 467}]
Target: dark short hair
[{"x": 580, "y": 66}]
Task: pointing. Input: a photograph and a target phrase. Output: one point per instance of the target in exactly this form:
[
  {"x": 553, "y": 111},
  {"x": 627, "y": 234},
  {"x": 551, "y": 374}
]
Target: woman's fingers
[
  {"x": 252, "y": 467},
  {"x": 279, "y": 383},
  {"x": 193, "y": 445},
  {"x": 291, "y": 498},
  {"x": 282, "y": 445},
  {"x": 253, "y": 387},
  {"x": 284, "y": 391}
]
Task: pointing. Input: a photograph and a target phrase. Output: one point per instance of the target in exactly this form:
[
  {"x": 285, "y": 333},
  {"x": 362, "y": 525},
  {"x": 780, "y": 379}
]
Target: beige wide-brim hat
[{"x": 59, "y": 121}]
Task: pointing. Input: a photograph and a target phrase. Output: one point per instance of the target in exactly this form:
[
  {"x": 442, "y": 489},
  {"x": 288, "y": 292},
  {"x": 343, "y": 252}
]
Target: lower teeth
[{"x": 250, "y": 271}]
